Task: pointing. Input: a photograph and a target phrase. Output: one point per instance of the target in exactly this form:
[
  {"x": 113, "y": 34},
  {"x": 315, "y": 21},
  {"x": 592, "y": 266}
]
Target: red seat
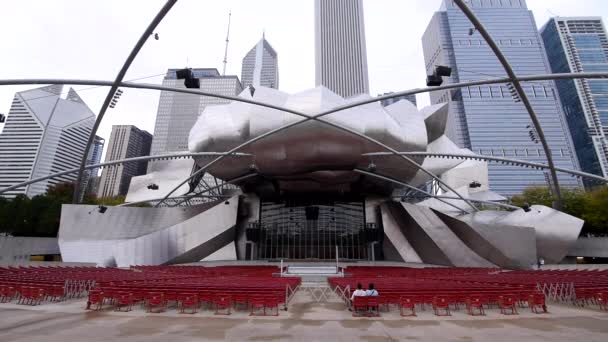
[
  {"x": 241, "y": 300},
  {"x": 441, "y": 303},
  {"x": 123, "y": 300},
  {"x": 407, "y": 303},
  {"x": 360, "y": 305},
  {"x": 188, "y": 301},
  {"x": 7, "y": 293},
  {"x": 222, "y": 304},
  {"x": 602, "y": 300},
  {"x": 507, "y": 302},
  {"x": 156, "y": 300},
  {"x": 257, "y": 306},
  {"x": 537, "y": 302},
  {"x": 95, "y": 300},
  {"x": 271, "y": 303},
  {"x": 373, "y": 305},
  {"x": 475, "y": 302}
]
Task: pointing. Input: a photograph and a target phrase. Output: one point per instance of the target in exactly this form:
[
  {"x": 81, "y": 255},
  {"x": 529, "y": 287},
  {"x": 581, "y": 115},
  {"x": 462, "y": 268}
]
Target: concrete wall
[
  {"x": 590, "y": 247},
  {"x": 17, "y": 250}
]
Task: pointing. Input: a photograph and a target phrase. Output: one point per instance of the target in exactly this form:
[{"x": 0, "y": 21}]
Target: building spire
[{"x": 227, "y": 40}]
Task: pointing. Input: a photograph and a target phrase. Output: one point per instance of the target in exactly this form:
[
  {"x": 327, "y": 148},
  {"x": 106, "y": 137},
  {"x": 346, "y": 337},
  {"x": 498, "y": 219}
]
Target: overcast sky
[{"x": 90, "y": 39}]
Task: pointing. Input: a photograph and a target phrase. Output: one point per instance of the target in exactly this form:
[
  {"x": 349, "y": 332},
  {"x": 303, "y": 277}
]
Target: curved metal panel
[
  {"x": 433, "y": 241},
  {"x": 505, "y": 246},
  {"x": 311, "y": 155},
  {"x": 395, "y": 238},
  {"x": 556, "y": 232},
  {"x": 124, "y": 236}
]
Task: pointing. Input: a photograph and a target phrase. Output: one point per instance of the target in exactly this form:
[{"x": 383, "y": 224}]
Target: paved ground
[{"x": 304, "y": 321}]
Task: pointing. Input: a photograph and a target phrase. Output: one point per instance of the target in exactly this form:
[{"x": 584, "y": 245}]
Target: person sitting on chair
[
  {"x": 371, "y": 291},
  {"x": 359, "y": 292}
]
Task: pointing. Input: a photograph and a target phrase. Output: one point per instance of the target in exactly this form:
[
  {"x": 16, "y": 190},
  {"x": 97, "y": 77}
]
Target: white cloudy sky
[{"x": 89, "y": 39}]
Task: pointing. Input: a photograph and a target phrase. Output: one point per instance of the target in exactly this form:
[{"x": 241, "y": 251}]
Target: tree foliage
[
  {"x": 40, "y": 215},
  {"x": 591, "y": 206}
]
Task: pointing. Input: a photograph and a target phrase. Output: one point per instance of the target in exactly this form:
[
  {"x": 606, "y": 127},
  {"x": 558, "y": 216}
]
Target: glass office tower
[
  {"x": 580, "y": 44},
  {"x": 488, "y": 119}
]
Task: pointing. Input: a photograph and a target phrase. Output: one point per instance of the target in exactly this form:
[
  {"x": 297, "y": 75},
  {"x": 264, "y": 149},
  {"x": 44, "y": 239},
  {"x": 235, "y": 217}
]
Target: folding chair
[
  {"x": 95, "y": 300},
  {"x": 506, "y": 302},
  {"x": 257, "y": 305},
  {"x": 475, "y": 302},
  {"x": 359, "y": 305},
  {"x": 407, "y": 303},
  {"x": 156, "y": 300},
  {"x": 188, "y": 301},
  {"x": 272, "y": 304},
  {"x": 222, "y": 302},
  {"x": 373, "y": 306},
  {"x": 240, "y": 301},
  {"x": 537, "y": 302},
  {"x": 441, "y": 303},
  {"x": 602, "y": 299},
  {"x": 123, "y": 300},
  {"x": 7, "y": 293}
]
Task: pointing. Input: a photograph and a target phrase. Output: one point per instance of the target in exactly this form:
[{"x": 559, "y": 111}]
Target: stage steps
[{"x": 312, "y": 273}]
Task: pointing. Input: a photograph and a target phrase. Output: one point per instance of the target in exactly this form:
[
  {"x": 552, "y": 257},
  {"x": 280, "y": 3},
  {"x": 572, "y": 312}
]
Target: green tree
[{"x": 596, "y": 211}]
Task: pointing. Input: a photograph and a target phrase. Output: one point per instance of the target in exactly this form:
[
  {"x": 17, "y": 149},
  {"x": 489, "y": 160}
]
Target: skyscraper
[
  {"x": 177, "y": 112},
  {"x": 44, "y": 134},
  {"x": 487, "y": 119},
  {"x": 261, "y": 66},
  {"x": 580, "y": 44},
  {"x": 126, "y": 141},
  {"x": 94, "y": 158},
  {"x": 340, "y": 52}
]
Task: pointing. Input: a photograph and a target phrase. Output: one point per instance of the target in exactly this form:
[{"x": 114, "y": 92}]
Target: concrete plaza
[{"x": 304, "y": 321}]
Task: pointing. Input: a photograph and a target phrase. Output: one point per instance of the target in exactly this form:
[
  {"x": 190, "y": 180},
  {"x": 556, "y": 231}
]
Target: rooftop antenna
[{"x": 227, "y": 40}]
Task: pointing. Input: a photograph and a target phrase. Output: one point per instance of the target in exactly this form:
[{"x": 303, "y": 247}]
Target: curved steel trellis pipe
[
  {"x": 517, "y": 162},
  {"x": 340, "y": 127},
  {"x": 520, "y": 91},
  {"x": 120, "y": 161},
  {"x": 121, "y": 74},
  {"x": 591, "y": 75}
]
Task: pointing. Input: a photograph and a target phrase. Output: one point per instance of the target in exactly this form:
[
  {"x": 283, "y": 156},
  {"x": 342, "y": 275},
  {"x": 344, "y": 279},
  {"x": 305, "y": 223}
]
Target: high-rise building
[
  {"x": 261, "y": 66},
  {"x": 580, "y": 44},
  {"x": 488, "y": 119},
  {"x": 43, "y": 134},
  {"x": 126, "y": 141},
  {"x": 388, "y": 102},
  {"x": 340, "y": 52},
  {"x": 177, "y": 112},
  {"x": 94, "y": 158}
]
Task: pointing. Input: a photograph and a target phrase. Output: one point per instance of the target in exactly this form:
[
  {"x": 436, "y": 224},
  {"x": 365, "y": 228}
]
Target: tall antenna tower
[{"x": 227, "y": 40}]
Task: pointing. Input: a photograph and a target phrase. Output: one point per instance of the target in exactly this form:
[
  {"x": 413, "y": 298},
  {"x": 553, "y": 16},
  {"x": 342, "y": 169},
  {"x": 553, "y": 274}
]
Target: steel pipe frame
[
  {"x": 236, "y": 179},
  {"x": 121, "y": 161},
  {"x": 239, "y": 99},
  {"x": 498, "y": 204},
  {"x": 186, "y": 198},
  {"x": 121, "y": 74},
  {"x": 392, "y": 180},
  {"x": 171, "y": 198},
  {"x": 520, "y": 92},
  {"x": 495, "y": 159}
]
